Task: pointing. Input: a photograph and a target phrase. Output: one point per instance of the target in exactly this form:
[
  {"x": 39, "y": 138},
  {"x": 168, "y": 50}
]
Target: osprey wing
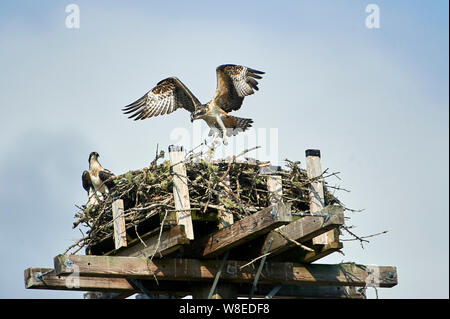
[
  {"x": 234, "y": 82},
  {"x": 105, "y": 176},
  {"x": 167, "y": 96},
  {"x": 86, "y": 180}
]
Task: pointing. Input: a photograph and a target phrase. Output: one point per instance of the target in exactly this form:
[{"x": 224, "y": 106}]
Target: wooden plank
[
  {"x": 181, "y": 190},
  {"x": 316, "y": 194},
  {"x": 117, "y": 288},
  {"x": 105, "y": 288},
  {"x": 120, "y": 233},
  {"x": 241, "y": 231},
  {"x": 179, "y": 269},
  {"x": 275, "y": 188},
  {"x": 273, "y": 182},
  {"x": 151, "y": 244},
  {"x": 56, "y": 282},
  {"x": 303, "y": 229}
]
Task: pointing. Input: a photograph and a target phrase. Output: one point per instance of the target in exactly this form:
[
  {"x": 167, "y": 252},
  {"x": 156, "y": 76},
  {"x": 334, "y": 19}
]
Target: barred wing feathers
[
  {"x": 86, "y": 181},
  {"x": 234, "y": 82},
  {"x": 167, "y": 96}
]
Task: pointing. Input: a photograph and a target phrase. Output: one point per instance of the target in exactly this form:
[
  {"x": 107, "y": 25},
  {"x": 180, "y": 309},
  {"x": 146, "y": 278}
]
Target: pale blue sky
[{"x": 375, "y": 101}]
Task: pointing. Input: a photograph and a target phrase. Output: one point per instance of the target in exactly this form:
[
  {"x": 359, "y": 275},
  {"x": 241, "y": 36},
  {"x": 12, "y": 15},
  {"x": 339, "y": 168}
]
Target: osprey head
[
  {"x": 198, "y": 114},
  {"x": 93, "y": 155}
]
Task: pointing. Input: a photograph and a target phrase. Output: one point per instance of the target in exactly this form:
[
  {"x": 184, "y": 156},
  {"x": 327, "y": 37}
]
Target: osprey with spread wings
[{"x": 234, "y": 82}]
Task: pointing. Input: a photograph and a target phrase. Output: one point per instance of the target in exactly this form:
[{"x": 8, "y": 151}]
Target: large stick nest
[{"x": 148, "y": 192}]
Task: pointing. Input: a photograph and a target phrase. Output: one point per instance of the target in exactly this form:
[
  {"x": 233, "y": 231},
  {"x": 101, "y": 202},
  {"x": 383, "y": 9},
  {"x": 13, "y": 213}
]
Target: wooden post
[
  {"x": 316, "y": 195},
  {"x": 120, "y": 233},
  {"x": 275, "y": 188},
  {"x": 181, "y": 190}
]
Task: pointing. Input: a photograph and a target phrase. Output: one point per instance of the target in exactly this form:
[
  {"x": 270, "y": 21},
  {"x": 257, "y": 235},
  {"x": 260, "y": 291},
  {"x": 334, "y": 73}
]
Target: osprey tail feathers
[
  {"x": 242, "y": 124},
  {"x": 234, "y": 125}
]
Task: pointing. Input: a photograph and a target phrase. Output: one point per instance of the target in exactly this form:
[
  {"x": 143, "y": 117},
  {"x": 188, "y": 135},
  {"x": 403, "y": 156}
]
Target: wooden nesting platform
[{"x": 267, "y": 253}]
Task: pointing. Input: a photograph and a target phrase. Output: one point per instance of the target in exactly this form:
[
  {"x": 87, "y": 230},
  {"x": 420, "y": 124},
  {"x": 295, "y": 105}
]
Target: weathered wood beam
[
  {"x": 330, "y": 239},
  {"x": 242, "y": 231},
  {"x": 178, "y": 269},
  {"x": 56, "y": 282},
  {"x": 273, "y": 182},
  {"x": 97, "y": 287},
  {"x": 303, "y": 229},
  {"x": 181, "y": 190},
  {"x": 120, "y": 233},
  {"x": 316, "y": 193},
  {"x": 151, "y": 244},
  {"x": 117, "y": 288}
]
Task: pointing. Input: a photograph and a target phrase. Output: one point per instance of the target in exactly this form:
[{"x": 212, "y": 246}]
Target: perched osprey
[
  {"x": 97, "y": 177},
  {"x": 234, "y": 82}
]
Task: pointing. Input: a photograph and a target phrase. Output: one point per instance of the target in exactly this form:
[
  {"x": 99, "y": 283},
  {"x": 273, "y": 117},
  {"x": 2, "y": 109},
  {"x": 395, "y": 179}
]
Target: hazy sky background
[{"x": 374, "y": 101}]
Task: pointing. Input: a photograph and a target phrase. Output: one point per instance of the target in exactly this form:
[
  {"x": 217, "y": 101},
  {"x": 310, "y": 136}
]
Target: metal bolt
[
  {"x": 68, "y": 263},
  {"x": 231, "y": 269},
  {"x": 274, "y": 212},
  {"x": 389, "y": 275},
  {"x": 38, "y": 276}
]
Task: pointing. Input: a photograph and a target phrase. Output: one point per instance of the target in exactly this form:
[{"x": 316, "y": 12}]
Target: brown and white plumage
[
  {"x": 167, "y": 96},
  {"x": 97, "y": 177},
  {"x": 234, "y": 83},
  {"x": 93, "y": 196}
]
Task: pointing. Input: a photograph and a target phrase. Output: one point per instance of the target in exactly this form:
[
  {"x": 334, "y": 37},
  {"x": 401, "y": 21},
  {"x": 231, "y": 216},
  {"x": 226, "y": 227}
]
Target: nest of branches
[{"x": 234, "y": 185}]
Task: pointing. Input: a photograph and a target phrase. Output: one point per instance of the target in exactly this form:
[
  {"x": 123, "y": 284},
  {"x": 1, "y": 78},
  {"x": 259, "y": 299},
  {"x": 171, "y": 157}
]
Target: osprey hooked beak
[{"x": 197, "y": 114}]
